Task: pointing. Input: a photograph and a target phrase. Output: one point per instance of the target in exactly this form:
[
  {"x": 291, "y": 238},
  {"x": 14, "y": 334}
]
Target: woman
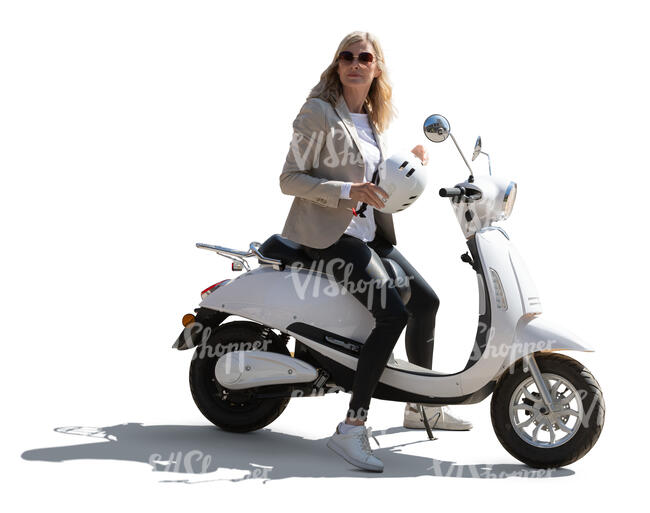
[{"x": 337, "y": 146}]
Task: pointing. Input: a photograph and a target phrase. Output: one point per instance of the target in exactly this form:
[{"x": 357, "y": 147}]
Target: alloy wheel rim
[{"x": 535, "y": 423}]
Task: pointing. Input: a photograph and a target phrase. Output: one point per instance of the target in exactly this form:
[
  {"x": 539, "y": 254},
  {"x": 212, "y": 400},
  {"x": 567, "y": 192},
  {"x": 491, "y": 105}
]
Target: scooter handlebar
[{"x": 451, "y": 192}]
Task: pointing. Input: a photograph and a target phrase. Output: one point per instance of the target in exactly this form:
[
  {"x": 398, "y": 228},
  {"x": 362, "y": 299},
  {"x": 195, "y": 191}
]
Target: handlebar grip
[{"x": 450, "y": 192}]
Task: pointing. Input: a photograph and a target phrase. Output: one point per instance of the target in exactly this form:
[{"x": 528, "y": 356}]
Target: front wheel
[
  {"x": 217, "y": 404},
  {"x": 536, "y": 435}
]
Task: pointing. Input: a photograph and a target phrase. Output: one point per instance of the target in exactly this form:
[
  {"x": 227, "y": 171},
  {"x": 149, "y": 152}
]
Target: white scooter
[{"x": 547, "y": 409}]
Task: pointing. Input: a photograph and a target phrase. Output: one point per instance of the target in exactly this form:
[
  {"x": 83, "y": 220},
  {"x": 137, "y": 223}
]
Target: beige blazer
[{"x": 325, "y": 151}]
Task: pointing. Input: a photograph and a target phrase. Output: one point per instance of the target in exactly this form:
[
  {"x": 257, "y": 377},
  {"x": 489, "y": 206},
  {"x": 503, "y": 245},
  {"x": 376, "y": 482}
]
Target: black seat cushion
[
  {"x": 290, "y": 252},
  {"x": 285, "y": 250}
]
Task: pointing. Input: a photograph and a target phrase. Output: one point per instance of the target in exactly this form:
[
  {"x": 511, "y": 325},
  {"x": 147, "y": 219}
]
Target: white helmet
[{"x": 403, "y": 177}]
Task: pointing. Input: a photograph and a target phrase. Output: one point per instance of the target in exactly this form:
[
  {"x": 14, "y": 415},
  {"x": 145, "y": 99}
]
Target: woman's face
[{"x": 358, "y": 74}]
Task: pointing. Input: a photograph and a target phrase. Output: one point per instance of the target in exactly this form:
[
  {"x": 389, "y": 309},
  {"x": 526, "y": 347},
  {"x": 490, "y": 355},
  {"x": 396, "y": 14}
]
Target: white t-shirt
[{"x": 364, "y": 227}]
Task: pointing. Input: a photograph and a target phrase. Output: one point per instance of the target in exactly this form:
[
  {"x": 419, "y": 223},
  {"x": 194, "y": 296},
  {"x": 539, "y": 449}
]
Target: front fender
[
  {"x": 197, "y": 332},
  {"x": 535, "y": 334}
]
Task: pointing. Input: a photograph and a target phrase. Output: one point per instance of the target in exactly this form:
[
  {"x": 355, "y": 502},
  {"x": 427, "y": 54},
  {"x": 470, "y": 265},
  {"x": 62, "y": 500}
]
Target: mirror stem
[
  {"x": 461, "y": 154},
  {"x": 489, "y": 162}
]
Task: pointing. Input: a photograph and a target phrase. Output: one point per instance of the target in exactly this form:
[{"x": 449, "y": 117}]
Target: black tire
[
  {"x": 239, "y": 417},
  {"x": 583, "y": 439}
]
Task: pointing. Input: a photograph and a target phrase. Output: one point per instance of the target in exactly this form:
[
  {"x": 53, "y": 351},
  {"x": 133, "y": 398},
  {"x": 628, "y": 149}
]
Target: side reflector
[
  {"x": 188, "y": 319},
  {"x": 499, "y": 294}
]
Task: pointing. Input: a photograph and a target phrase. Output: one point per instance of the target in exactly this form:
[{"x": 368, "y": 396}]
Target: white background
[{"x": 131, "y": 130}]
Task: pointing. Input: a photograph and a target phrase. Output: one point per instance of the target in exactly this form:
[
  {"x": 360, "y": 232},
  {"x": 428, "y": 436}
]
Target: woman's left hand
[{"x": 420, "y": 152}]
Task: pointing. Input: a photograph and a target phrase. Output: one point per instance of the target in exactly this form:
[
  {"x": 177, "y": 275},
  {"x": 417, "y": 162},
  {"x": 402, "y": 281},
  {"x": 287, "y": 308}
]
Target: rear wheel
[
  {"x": 232, "y": 410},
  {"x": 536, "y": 435}
]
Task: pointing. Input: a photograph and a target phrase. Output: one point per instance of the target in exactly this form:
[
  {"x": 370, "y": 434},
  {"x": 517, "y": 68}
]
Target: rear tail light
[{"x": 205, "y": 293}]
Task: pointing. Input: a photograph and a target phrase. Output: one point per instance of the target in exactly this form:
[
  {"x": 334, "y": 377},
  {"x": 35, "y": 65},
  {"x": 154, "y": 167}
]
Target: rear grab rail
[{"x": 240, "y": 256}]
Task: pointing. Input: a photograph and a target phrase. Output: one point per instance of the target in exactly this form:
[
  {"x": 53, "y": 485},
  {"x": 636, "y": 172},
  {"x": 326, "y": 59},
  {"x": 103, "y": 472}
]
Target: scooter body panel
[
  {"x": 280, "y": 298},
  {"x": 506, "y": 285},
  {"x": 238, "y": 370}
]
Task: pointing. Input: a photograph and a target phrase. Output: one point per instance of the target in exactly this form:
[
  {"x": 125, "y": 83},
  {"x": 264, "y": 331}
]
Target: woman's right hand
[{"x": 369, "y": 193}]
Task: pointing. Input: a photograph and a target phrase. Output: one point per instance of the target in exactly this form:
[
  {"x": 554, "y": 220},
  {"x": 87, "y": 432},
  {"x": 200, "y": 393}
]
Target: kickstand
[{"x": 426, "y": 423}]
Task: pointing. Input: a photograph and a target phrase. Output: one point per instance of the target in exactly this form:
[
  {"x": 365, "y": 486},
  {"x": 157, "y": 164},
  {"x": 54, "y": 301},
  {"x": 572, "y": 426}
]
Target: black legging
[{"x": 386, "y": 306}]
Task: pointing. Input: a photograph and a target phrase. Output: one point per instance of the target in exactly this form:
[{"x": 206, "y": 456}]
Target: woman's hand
[
  {"x": 369, "y": 193},
  {"x": 420, "y": 152}
]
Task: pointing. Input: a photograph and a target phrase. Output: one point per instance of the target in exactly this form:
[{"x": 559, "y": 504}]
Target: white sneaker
[
  {"x": 439, "y": 417},
  {"x": 354, "y": 447}
]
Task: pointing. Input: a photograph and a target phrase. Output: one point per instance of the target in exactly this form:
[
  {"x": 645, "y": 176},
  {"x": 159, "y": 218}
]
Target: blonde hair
[{"x": 378, "y": 102}]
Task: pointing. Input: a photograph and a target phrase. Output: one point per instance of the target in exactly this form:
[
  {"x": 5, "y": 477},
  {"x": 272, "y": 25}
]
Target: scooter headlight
[{"x": 509, "y": 199}]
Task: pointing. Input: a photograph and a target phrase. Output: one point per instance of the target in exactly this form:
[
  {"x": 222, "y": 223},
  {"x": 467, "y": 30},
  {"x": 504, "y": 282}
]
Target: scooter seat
[
  {"x": 290, "y": 252},
  {"x": 285, "y": 250}
]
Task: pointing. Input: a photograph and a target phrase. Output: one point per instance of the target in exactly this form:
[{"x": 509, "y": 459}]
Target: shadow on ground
[{"x": 263, "y": 454}]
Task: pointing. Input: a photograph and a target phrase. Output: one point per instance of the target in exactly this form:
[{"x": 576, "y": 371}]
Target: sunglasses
[{"x": 365, "y": 57}]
